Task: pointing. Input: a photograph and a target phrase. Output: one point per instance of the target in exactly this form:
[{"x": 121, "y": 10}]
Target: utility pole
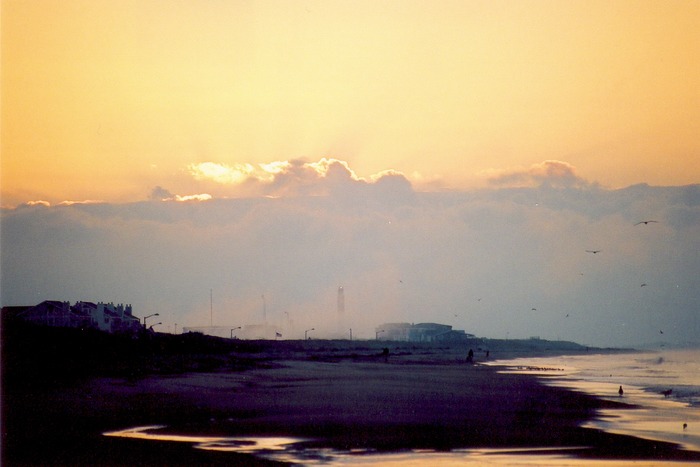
[{"x": 211, "y": 307}]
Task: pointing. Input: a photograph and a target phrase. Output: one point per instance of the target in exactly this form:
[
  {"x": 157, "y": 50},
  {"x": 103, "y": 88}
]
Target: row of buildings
[
  {"x": 119, "y": 318},
  {"x": 85, "y": 315}
]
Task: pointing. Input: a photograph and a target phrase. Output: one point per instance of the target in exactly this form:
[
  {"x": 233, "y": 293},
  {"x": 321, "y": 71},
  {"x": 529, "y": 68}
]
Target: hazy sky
[
  {"x": 106, "y": 99},
  {"x": 500, "y": 262},
  {"x": 442, "y": 161}
]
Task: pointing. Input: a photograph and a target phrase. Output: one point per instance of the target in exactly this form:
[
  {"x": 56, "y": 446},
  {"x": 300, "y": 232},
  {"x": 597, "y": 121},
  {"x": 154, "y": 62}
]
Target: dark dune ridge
[{"x": 347, "y": 398}]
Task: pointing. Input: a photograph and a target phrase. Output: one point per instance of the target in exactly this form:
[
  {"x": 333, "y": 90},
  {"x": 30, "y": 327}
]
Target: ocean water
[
  {"x": 644, "y": 376},
  {"x": 665, "y": 385}
]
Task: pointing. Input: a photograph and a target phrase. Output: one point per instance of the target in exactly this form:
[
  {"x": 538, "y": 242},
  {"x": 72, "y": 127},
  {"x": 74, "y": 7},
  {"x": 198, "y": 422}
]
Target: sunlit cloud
[
  {"x": 385, "y": 173},
  {"x": 38, "y": 203},
  {"x": 221, "y": 173},
  {"x": 85, "y": 201},
  {"x": 199, "y": 197},
  {"x": 296, "y": 177},
  {"x": 325, "y": 167},
  {"x": 552, "y": 173},
  {"x": 275, "y": 167},
  {"x": 161, "y": 194}
]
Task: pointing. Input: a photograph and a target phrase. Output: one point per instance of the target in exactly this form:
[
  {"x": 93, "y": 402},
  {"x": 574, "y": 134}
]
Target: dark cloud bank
[{"x": 480, "y": 261}]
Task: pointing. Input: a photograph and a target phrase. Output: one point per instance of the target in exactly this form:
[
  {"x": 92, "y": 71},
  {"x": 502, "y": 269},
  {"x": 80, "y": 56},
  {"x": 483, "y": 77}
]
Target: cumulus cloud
[
  {"x": 221, "y": 173},
  {"x": 161, "y": 194},
  {"x": 84, "y": 201},
  {"x": 550, "y": 173},
  {"x": 62, "y": 203},
  {"x": 298, "y": 177},
  {"x": 38, "y": 203}
]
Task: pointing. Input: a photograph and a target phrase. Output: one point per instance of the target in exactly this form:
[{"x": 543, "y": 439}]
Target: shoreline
[{"x": 344, "y": 402}]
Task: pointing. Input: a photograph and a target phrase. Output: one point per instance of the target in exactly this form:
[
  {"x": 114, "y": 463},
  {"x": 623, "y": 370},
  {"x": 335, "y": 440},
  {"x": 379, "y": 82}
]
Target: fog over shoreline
[{"x": 508, "y": 261}]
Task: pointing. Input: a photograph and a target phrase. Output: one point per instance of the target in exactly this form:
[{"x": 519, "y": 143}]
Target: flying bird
[
  {"x": 643, "y": 285},
  {"x": 646, "y": 222},
  {"x": 593, "y": 251}
]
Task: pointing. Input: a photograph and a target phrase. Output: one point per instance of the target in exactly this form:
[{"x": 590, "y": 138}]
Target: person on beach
[
  {"x": 385, "y": 354},
  {"x": 470, "y": 356},
  {"x": 620, "y": 391}
]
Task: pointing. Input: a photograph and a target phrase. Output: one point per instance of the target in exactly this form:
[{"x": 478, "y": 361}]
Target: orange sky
[{"x": 107, "y": 99}]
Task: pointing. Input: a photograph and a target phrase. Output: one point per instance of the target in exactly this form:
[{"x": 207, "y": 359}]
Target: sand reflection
[
  {"x": 285, "y": 449},
  {"x": 238, "y": 444}
]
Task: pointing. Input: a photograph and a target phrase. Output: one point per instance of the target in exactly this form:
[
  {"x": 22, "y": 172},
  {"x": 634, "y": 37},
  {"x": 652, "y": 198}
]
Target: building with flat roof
[{"x": 421, "y": 332}]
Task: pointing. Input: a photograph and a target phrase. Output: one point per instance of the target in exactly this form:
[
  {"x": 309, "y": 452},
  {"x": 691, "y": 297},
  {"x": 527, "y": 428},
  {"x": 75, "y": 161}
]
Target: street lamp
[
  {"x": 146, "y": 317},
  {"x": 151, "y": 326},
  {"x": 376, "y": 337},
  {"x": 312, "y": 329},
  {"x": 234, "y": 330}
]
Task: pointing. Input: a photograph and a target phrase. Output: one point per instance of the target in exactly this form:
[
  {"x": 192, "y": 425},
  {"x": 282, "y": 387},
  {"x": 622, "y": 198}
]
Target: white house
[{"x": 103, "y": 316}]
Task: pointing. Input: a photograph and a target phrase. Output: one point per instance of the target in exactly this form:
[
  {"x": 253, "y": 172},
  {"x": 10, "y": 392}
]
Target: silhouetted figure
[
  {"x": 620, "y": 391},
  {"x": 385, "y": 354},
  {"x": 470, "y": 356},
  {"x": 487, "y": 354},
  {"x": 685, "y": 425},
  {"x": 667, "y": 392}
]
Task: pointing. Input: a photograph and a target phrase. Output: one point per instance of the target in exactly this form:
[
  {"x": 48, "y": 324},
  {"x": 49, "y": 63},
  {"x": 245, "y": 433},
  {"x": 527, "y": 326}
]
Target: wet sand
[{"x": 343, "y": 403}]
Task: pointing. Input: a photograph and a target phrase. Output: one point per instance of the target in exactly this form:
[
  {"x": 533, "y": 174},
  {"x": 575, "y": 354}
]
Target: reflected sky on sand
[
  {"x": 212, "y": 443},
  {"x": 476, "y": 457},
  {"x": 292, "y": 450}
]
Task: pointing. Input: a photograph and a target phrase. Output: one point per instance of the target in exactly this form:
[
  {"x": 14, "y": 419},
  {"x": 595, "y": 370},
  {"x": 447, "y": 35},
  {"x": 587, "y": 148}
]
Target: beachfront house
[{"x": 86, "y": 315}]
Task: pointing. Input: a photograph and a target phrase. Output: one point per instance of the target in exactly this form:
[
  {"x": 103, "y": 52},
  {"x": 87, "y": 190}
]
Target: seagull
[
  {"x": 661, "y": 332},
  {"x": 685, "y": 425},
  {"x": 643, "y": 285},
  {"x": 593, "y": 251},
  {"x": 646, "y": 222},
  {"x": 534, "y": 309}
]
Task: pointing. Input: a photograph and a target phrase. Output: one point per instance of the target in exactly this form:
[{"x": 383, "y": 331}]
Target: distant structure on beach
[
  {"x": 422, "y": 332},
  {"x": 106, "y": 317}
]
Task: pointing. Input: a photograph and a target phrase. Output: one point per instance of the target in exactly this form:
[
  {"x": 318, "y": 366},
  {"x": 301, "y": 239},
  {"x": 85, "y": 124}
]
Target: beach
[{"x": 320, "y": 400}]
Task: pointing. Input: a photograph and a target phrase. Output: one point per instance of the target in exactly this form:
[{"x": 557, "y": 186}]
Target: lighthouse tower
[{"x": 341, "y": 302}]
